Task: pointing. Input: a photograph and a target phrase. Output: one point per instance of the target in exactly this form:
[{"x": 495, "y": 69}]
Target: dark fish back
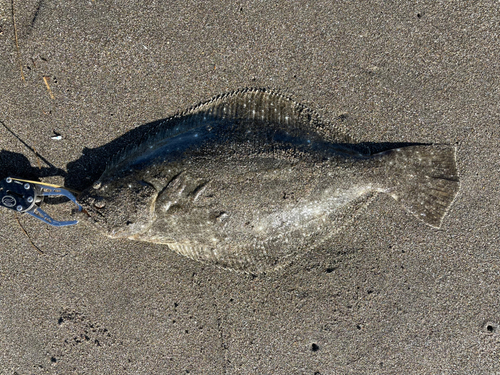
[{"x": 269, "y": 115}]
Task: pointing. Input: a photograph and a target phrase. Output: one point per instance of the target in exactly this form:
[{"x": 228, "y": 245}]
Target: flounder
[{"x": 250, "y": 179}]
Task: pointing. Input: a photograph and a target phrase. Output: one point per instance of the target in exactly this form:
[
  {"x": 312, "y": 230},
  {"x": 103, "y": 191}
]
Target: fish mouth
[
  {"x": 107, "y": 215},
  {"x": 98, "y": 221},
  {"x": 89, "y": 212}
]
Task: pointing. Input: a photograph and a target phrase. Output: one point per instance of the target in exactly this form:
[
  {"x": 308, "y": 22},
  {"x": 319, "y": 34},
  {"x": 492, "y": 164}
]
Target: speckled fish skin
[{"x": 250, "y": 179}]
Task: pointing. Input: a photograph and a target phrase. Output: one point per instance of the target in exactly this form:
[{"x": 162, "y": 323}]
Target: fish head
[{"x": 119, "y": 208}]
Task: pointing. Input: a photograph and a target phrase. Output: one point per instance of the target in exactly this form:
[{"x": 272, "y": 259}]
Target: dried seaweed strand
[
  {"x": 32, "y": 149},
  {"x": 28, "y": 237},
  {"x": 17, "y": 43},
  {"x": 37, "y": 159},
  {"x": 46, "y": 80}
]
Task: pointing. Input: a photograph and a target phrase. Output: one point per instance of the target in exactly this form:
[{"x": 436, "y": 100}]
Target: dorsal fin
[{"x": 269, "y": 104}]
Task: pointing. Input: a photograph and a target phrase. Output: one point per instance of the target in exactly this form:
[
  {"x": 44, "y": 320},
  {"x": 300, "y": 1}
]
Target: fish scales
[{"x": 250, "y": 179}]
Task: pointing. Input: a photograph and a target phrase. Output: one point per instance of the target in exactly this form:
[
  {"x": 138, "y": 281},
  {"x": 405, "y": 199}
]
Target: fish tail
[{"x": 424, "y": 179}]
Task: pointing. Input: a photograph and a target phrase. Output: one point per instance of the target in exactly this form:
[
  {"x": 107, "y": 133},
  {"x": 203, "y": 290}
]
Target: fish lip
[
  {"x": 89, "y": 215},
  {"x": 88, "y": 212},
  {"x": 85, "y": 212}
]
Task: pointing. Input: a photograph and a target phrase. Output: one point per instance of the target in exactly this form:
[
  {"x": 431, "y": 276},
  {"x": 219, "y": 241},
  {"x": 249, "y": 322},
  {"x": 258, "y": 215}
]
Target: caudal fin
[{"x": 424, "y": 179}]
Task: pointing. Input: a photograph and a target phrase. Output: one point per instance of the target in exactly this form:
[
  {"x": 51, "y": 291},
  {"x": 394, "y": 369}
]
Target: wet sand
[{"x": 389, "y": 295}]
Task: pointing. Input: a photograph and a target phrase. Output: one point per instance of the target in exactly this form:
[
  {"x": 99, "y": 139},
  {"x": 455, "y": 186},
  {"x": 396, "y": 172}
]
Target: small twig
[
  {"x": 28, "y": 237},
  {"x": 17, "y": 43},
  {"x": 46, "y": 80},
  {"x": 32, "y": 149}
]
